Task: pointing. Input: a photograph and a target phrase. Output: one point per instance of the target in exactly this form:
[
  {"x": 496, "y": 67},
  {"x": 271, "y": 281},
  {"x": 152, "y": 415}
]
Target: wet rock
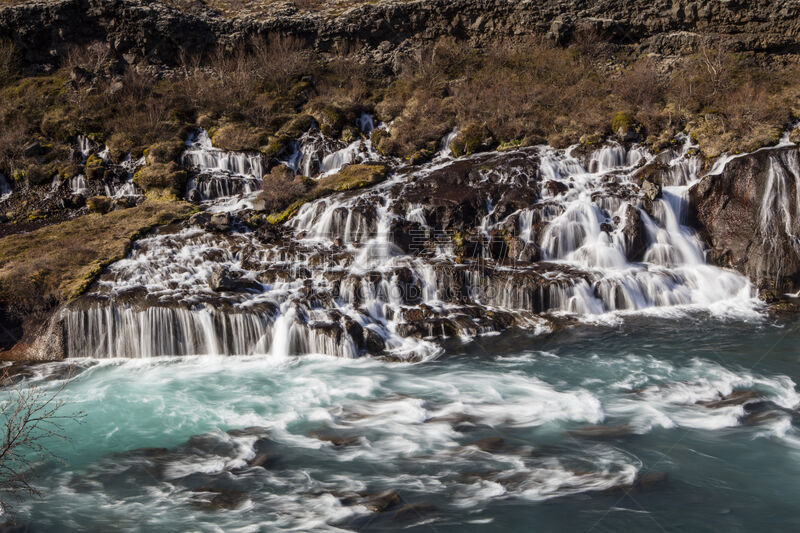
[
  {"x": 14, "y": 527},
  {"x": 33, "y": 149},
  {"x": 220, "y": 499},
  {"x": 651, "y": 174},
  {"x": 376, "y": 502},
  {"x": 219, "y": 222},
  {"x": 338, "y": 441},
  {"x": 228, "y": 281},
  {"x": 602, "y": 432},
  {"x": 555, "y": 187},
  {"x": 413, "y": 512},
  {"x": 489, "y": 444},
  {"x": 194, "y": 196},
  {"x": 635, "y": 235},
  {"x": 373, "y": 342},
  {"x": 740, "y": 216},
  {"x": 737, "y": 397}
]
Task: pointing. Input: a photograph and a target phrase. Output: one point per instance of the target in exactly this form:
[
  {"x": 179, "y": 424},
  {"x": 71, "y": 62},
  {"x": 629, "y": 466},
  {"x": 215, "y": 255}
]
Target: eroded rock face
[
  {"x": 748, "y": 214},
  {"x": 156, "y": 34}
]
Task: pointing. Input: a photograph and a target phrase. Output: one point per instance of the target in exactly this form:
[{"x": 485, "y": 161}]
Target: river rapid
[
  {"x": 596, "y": 428},
  {"x": 592, "y": 373}
]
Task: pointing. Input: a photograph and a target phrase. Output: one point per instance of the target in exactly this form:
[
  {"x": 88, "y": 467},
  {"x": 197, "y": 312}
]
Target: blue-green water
[{"x": 408, "y": 428}]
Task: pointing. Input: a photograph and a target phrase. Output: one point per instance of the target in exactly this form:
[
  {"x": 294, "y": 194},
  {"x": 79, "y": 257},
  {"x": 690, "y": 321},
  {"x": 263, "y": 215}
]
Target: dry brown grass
[{"x": 56, "y": 263}]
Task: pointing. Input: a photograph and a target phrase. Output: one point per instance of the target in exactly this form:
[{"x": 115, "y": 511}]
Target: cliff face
[
  {"x": 748, "y": 214},
  {"x": 154, "y": 33}
]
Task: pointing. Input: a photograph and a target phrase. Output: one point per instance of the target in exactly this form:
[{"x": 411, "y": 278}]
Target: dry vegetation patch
[{"x": 58, "y": 262}]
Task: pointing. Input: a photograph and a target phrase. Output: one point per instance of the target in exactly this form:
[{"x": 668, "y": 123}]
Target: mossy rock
[
  {"x": 120, "y": 145},
  {"x": 95, "y": 168},
  {"x": 622, "y": 124},
  {"x": 472, "y": 139},
  {"x": 334, "y": 117},
  {"x": 161, "y": 178},
  {"x": 591, "y": 139},
  {"x": 99, "y": 204},
  {"x": 286, "y": 214},
  {"x": 164, "y": 152},
  {"x": 290, "y": 131},
  {"x": 421, "y": 156},
  {"x": 238, "y": 137},
  {"x": 352, "y": 177},
  {"x": 350, "y": 134},
  {"x": 381, "y": 141},
  {"x": 40, "y": 174},
  {"x": 507, "y": 146},
  {"x": 69, "y": 170}
]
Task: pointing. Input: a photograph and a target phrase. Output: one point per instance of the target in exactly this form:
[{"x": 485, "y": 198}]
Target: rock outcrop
[
  {"x": 152, "y": 32},
  {"x": 748, "y": 214}
]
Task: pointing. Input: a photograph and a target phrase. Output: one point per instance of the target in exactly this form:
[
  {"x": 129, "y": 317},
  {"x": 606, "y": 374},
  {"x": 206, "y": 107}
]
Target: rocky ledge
[{"x": 156, "y": 33}]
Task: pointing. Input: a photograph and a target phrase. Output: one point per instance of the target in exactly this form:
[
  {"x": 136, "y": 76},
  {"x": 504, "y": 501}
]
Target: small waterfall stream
[{"x": 379, "y": 272}]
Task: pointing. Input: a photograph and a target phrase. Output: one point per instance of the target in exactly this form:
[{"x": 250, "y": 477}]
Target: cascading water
[
  {"x": 777, "y": 217},
  {"x": 5, "y": 188},
  {"x": 378, "y": 272}
]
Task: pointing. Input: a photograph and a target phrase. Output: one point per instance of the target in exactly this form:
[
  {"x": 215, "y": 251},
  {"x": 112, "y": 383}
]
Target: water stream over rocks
[
  {"x": 583, "y": 366},
  {"x": 531, "y": 238}
]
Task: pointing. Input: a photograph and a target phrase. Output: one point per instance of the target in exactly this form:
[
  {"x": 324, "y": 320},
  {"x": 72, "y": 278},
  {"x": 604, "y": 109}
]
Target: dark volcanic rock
[
  {"x": 156, "y": 33},
  {"x": 635, "y": 234},
  {"x": 744, "y": 214}
]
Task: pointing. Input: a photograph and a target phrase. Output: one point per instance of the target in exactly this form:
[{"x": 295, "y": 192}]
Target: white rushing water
[
  {"x": 341, "y": 285},
  {"x": 5, "y": 188}
]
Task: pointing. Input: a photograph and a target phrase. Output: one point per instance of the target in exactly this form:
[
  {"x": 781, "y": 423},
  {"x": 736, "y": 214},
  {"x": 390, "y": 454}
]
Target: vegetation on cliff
[
  {"x": 263, "y": 95},
  {"x": 56, "y": 263}
]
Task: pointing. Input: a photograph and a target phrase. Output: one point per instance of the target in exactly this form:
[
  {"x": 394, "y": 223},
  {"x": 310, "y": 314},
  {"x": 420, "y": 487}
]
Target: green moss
[
  {"x": 622, "y": 123},
  {"x": 58, "y": 124},
  {"x": 95, "y": 168},
  {"x": 472, "y": 139},
  {"x": 286, "y": 214},
  {"x": 351, "y": 177},
  {"x": 69, "y": 170}
]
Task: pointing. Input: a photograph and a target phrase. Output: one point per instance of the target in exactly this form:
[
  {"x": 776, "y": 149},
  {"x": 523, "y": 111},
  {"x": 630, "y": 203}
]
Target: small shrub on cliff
[
  {"x": 9, "y": 62},
  {"x": 165, "y": 152},
  {"x": 281, "y": 188},
  {"x": 161, "y": 178},
  {"x": 239, "y": 138},
  {"x": 99, "y": 204},
  {"x": 622, "y": 123}
]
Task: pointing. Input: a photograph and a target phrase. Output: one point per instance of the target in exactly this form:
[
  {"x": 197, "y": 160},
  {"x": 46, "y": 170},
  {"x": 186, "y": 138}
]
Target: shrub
[
  {"x": 281, "y": 188},
  {"x": 622, "y": 123},
  {"x": 239, "y": 138},
  {"x": 161, "y": 178},
  {"x": 99, "y": 204},
  {"x": 165, "y": 152}
]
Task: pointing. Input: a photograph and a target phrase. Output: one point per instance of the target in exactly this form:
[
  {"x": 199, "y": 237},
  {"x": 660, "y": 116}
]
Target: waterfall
[
  {"x": 220, "y": 173},
  {"x": 372, "y": 271},
  {"x": 776, "y": 213},
  {"x": 5, "y": 188}
]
